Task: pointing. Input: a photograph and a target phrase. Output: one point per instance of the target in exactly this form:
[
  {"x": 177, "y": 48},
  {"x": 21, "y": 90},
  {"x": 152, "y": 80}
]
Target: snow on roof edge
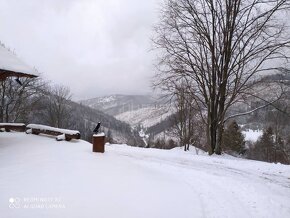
[{"x": 10, "y": 62}]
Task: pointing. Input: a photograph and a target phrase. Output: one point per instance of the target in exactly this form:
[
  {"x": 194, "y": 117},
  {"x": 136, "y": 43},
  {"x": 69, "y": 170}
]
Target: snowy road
[
  {"x": 224, "y": 186},
  {"x": 65, "y": 179}
]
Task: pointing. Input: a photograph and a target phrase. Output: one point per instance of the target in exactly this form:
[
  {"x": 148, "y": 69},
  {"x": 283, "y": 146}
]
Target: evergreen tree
[
  {"x": 265, "y": 145},
  {"x": 267, "y": 138},
  {"x": 233, "y": 139},
  {"x": 171, "y": 144}
]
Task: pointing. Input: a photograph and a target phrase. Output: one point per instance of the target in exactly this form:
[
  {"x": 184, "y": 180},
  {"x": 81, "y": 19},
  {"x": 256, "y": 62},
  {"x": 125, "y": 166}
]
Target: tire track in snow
[{"x": 228, "y": 184}]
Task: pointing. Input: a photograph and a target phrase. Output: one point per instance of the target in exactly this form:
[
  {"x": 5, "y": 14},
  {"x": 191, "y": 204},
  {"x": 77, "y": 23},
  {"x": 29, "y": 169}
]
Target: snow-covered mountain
[
  {"x": 139, "y": 111},
  {"x": 136, "y": 110},
  {"x": 145, "y": 117},
  {"x": 118, "y": 104},
  {"x": 41, "y": 177}
]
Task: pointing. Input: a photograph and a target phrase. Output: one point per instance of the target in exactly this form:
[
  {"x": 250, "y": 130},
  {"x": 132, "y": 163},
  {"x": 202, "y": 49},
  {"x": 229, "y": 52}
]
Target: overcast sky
[{"x": 95, "y": 47}]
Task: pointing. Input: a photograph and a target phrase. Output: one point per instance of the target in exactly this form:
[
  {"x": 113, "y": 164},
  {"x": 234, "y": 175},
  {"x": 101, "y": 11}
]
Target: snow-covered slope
[
  {"x": 145, "y": 117},
  {"x": 136, "y": 110},
  {"x": 44, "y": 178},
  {"x": 117, "y": 104}
]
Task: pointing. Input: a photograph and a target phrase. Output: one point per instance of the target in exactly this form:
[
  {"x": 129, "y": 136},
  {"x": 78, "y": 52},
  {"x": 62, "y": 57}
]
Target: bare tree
[
  {"x": 57, "y": 111},
  {"x": 187, "y": 123},
  {"x": 220, "y": 47},
  {"x": 18, "y": 99}
]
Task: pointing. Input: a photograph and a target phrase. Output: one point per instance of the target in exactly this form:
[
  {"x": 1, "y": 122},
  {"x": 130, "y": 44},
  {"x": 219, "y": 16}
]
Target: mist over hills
[
  {"x": 147, "y": 115},
  {"x": 152, "y": 116},
  {"x": 85, "y": 119},
  {"x": 118, "y": 104}
]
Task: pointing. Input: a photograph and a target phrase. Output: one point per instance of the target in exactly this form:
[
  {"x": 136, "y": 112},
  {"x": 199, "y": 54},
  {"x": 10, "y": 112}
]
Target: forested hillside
[{"x": 35, "y": 101}]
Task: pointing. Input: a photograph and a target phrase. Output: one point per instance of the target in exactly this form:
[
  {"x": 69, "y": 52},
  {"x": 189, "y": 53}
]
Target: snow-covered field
[{"x": 40, "y": 177}]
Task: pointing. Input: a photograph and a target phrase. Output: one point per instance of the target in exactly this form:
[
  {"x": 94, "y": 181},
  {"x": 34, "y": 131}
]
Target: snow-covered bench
[
  {"x": 61, "y": 134},
  {"x": 19, "y": 127}
]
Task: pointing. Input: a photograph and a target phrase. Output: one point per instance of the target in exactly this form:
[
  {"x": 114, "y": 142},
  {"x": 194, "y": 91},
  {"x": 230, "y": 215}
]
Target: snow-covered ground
[
  {"x": 252, "y": 135},
  {"x": 41, "y": 177}
]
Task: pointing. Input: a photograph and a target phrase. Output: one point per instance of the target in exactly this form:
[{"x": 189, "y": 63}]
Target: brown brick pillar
[{"x": 99, "y": 143}]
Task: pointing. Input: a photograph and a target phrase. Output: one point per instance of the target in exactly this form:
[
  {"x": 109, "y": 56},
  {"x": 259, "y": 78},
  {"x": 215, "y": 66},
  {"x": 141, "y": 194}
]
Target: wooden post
[{"x": 99, "y": 143}]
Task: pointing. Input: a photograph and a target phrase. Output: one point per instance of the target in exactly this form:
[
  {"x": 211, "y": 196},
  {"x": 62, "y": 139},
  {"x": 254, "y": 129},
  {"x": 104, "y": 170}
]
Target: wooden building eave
[{"x": 6, "y": 73}]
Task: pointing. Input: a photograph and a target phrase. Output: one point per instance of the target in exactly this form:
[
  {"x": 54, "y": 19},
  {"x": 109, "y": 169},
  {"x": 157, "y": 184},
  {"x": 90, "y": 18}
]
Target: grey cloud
[{"x": 95, "y": 47}]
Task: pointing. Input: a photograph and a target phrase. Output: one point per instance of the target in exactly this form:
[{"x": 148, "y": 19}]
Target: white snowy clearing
[
  {"x": 252, "y": 135},
  {"x": 41, "y": 177}
]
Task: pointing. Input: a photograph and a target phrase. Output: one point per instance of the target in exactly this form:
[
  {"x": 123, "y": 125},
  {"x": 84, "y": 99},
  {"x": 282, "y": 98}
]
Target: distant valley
[{"x": 146, "y": 114}]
